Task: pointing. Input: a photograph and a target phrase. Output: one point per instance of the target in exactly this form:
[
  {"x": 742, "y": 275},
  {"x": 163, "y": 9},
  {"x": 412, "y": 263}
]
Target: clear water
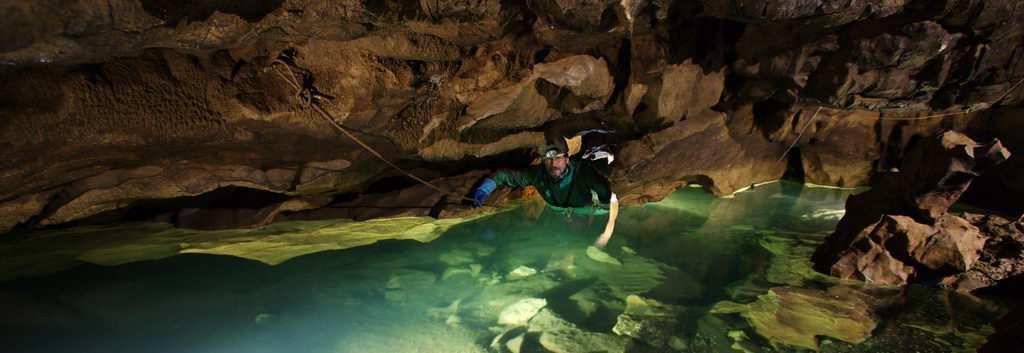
[{"x": 691, "y": 250}]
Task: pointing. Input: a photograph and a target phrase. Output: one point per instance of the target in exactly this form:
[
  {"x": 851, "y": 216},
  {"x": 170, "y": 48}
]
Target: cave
[{"x": 511, "y": 176}]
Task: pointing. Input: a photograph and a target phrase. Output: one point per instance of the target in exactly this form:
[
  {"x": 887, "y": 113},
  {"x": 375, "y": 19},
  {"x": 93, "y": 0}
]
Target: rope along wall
[
  {"x": 313, "y": 101},
  {"x": 983, "y": 106}
]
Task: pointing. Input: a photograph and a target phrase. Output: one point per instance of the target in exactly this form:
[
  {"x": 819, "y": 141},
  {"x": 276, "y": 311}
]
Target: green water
[{"x": 707, "y": 269}]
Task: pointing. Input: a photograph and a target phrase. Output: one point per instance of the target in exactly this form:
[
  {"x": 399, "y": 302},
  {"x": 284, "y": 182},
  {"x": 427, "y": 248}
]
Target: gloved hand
[{"x": 483, "y": 191}]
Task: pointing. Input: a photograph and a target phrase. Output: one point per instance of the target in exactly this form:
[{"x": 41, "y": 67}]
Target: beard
[{"x": 557, "y": 174}]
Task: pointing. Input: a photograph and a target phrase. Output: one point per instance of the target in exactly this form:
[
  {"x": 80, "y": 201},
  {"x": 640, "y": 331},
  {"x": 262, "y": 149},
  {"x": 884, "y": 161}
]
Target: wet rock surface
[
  {"x": 797, "y": 316},
  {"x": 113, "y": 109},
  {"x": 901, "y": 231}
]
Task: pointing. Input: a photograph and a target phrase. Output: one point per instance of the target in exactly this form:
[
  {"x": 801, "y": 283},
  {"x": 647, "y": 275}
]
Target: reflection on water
[{"x": 691, "y": 273}]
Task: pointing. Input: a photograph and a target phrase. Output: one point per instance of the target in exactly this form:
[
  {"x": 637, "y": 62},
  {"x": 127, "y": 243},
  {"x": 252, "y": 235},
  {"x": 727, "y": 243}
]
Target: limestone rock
[
  {"x": 713, "y": 154},
  {"x": 649, "y": 321},
  {"x": 829, "y": 12},
  {"x": 951, "y": 246},
  {"x": 519, "y": 313},
  {"x": 900, "y": 230},
  {"x": 458, "y": 256},
  {"x": 521, "y": 272},
  {"x": 597, "y": 302},
  {"x": 410, "y": 279},
  {"x": 403, "y": 284},
  {"x": 796, "y": 316},
  {"x": 509, "y": 340},
  {"x": 558, "y": 335},
  {"x": 546, "y": 320},
  {"x": 686, "y": 89},
  {"x": 272, "y": 244},
  {"x": 637, "y": 275},
  {"x": 576, "y": 341},
  {"x": 437, "y": 84},
  {"x": 600, "y": 256},
  {"x": 1001, "y": 260}
]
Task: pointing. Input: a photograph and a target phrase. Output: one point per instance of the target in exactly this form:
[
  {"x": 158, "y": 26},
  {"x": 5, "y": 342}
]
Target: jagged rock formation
[
  {"x": 144, "y": 108},
  {"x": 901, "y": 231}
]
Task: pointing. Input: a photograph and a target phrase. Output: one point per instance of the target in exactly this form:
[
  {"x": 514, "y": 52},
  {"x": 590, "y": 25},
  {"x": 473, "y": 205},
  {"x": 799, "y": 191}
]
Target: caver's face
[{"x": 556, "y": 166}]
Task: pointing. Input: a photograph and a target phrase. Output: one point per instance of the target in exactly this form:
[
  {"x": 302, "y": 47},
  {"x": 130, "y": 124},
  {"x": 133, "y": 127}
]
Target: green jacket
[{"x": 573, "y": 190}]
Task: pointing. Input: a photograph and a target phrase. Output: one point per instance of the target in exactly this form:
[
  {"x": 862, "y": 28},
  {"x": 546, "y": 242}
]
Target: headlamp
[{"x": 552, "y": 153}]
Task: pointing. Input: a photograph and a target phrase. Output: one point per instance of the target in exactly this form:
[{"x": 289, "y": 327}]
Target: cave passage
[{"x": 690, "y": 273}]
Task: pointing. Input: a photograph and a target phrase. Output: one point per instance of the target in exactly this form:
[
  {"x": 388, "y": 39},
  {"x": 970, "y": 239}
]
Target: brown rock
[
  {"x": 827, "y": 13},
  {"x": 935, "y": 175},
  {"x": 1001, "y": 260},
  {"x": 715, "y": 159},
  {"x": 434, "y": 83},
  {"x": 899, "y": 231},
  {"x": 681, "y": 90},
  {"x": 897, "y": 250},
  {"x": 798, "y": 316}
]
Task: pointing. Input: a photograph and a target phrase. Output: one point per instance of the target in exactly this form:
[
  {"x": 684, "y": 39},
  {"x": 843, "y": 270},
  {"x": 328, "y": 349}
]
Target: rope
[
  {"x": 984, "y": 106},
  {"x": 330, "y": 119},
  {"x": 809, "y": 122}
]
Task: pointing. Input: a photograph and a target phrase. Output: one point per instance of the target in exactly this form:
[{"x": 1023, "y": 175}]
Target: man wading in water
[{"x": 569, "y": 183}]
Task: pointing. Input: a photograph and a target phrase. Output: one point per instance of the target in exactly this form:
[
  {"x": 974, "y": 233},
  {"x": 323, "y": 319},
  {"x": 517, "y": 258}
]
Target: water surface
[{"x": 709, "y": 270}]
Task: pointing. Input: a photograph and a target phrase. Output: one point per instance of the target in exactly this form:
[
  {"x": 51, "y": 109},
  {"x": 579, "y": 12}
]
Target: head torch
[{"x": 553, "y": 153}]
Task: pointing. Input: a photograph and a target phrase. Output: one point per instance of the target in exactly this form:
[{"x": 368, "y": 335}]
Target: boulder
[
  {"x": 520, "y": 312},
  {"x": 1000, "y": 261},
  {"x": 900, "y": 231},
  {"x": 521, "y": 272},
  {"x": 897, "y": 248}
]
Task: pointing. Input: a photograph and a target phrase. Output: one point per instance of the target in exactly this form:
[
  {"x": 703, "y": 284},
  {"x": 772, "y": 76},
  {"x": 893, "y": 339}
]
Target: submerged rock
[
  {"x": 546, "y": 320},
  {"x": 403, "y": 284},
  {"x": 520, "y": 313},
  {"x": 456, "y": 271},
  {"x": 521, "y": 272},
  {"x": 486, "y": 306},
  {"x": 503, "y": 341},
  {"x": 578, "y": 341},
  {"x": 796, "y": 316},
  {"x": 60, "y": 249},
  {"x": 600, "y": 256},
  {"x": 637, "y": 275},
  {"x": 515, "y": 345},
  {"x": 597, "y": 302},
  {"x": 560, "y": 336},
  {"x": 459, "y": 256},
  {"x": 649, "y": 321}
]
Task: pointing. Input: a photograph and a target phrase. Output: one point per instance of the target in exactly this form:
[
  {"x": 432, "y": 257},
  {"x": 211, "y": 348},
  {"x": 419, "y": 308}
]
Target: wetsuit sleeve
[{"x": 514, "y": 178}]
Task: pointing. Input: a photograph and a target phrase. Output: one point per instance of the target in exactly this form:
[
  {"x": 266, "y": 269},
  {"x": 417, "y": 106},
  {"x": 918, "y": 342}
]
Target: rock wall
[{"x": 110, "y": 105}]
